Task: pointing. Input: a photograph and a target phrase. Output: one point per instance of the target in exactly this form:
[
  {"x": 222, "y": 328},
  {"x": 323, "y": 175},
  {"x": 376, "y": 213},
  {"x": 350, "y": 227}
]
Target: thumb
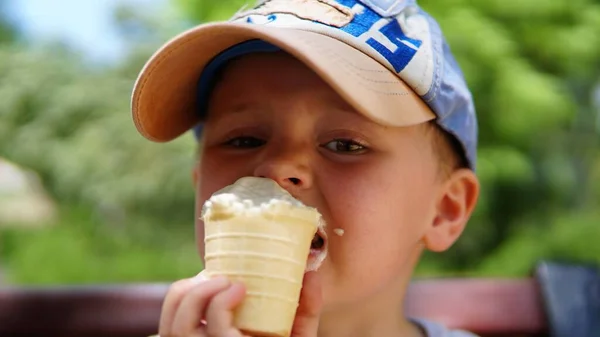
[{"x": 306, "y": 323}]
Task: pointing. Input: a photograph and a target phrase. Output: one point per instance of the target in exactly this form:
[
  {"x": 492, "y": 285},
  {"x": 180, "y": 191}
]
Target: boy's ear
[{"x": 455, "y": 204}]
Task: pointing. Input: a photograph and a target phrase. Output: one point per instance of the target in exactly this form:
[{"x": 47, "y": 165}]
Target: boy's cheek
[{"x": 215, "y": 173}]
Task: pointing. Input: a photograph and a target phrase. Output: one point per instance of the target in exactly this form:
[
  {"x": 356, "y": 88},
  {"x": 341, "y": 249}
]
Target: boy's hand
[{"x": 199, "y": 307}]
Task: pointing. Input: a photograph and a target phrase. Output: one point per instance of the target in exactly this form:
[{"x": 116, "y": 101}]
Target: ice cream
[{"x": 257, "y": 233}]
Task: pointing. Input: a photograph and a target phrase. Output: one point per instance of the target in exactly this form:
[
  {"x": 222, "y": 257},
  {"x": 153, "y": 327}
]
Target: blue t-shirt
[{"x": 433, "y": 329}]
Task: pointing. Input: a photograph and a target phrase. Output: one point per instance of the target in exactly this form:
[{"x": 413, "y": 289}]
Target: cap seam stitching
[{"x": 349, "y": 65}]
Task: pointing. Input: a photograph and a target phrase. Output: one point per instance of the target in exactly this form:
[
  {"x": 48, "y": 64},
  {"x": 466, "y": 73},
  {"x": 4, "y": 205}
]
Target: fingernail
[
  {"x": 200, "y": 278},
  {"x": 218, "y": 280}
]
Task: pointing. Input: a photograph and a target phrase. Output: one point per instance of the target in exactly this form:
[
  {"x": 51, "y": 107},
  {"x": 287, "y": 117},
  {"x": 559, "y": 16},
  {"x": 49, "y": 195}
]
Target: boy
[{"x": 356, "y": 108}]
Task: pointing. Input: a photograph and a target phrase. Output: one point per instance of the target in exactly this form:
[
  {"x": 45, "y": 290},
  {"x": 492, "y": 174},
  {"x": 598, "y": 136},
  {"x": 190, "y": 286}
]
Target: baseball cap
[{"x": 387, "y": 58}]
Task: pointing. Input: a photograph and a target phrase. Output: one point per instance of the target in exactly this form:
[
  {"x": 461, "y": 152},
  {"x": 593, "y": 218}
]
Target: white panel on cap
[
  {"x": 386, "y": 8},
  {"x": 419, "y": 72}
]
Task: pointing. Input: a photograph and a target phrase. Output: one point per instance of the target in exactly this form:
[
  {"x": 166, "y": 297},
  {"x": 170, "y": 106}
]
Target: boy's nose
[{"x": 290, "y": 173}]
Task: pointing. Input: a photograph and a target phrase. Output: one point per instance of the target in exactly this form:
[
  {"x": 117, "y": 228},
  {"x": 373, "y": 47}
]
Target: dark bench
[
  {"x": 488, "y": 307},
  {"x": 500, "y": 307}
]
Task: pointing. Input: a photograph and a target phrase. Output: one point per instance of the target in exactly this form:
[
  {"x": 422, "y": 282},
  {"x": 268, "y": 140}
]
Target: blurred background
[{"x": 84, "y": 199}]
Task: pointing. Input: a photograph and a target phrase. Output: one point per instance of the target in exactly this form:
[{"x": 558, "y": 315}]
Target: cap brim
[{"x": 164, "y": 101}]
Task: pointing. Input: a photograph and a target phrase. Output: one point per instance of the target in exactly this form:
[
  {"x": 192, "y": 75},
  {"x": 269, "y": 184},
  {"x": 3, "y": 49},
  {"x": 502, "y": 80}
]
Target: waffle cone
[{"x": 267, "y": 250}]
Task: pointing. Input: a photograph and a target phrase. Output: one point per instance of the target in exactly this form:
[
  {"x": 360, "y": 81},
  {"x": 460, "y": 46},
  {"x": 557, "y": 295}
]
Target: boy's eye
[
  {"x": 245, "y": 142},
  {"x": 345, "y": 145}
]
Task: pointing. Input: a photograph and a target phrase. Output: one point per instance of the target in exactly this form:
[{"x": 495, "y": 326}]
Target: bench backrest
[{"x": 488, "y": 307}]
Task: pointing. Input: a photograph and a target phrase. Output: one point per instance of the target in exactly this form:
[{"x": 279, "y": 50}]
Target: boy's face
[{"x": 271, "y": 116}]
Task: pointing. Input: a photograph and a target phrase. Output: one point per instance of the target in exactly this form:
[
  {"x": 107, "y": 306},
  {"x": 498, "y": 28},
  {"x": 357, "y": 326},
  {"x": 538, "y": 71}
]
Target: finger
[
  {"x": 189, "y": 314},
  {"x": 219, "y": 313},
  {"x": 306, "y": 323},
  {"x": 173, "y": 299}
]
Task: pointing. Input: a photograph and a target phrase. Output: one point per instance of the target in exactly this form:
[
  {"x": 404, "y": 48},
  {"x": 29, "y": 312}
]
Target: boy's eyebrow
[
  {"x": 231, "y": 111},
  {"x": 344, "y": 107}
]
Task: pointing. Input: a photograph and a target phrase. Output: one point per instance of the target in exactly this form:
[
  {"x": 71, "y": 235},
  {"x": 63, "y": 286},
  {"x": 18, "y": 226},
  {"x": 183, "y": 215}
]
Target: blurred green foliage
[
  {"x": 71, "y": 124},
  {"x": 127, "y": 204}
]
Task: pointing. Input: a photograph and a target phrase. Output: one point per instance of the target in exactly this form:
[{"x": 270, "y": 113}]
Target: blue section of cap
[
  {"x": 209, "y": 74},
  {"x": 449, "y": 97}
]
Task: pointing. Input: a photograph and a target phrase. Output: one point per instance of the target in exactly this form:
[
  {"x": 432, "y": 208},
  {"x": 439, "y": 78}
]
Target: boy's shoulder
[{"x": 433, "y": 329}]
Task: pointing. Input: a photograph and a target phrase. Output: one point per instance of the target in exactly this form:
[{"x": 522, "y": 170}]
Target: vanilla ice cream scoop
[
  {"x": 258, "y": 233},
  {"x": 252, "y": 195}
]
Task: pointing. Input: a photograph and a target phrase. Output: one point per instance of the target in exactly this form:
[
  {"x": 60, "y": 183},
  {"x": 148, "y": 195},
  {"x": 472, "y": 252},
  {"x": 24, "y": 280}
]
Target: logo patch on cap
[
  {"x": 327, "y": 12},
  {"x": 402, "y": 41}
]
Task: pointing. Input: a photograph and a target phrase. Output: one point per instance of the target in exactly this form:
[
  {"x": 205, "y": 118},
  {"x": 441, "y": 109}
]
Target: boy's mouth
[
  {"x": 318, "y": 250},
  {"x": 318, "y": 242}
]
